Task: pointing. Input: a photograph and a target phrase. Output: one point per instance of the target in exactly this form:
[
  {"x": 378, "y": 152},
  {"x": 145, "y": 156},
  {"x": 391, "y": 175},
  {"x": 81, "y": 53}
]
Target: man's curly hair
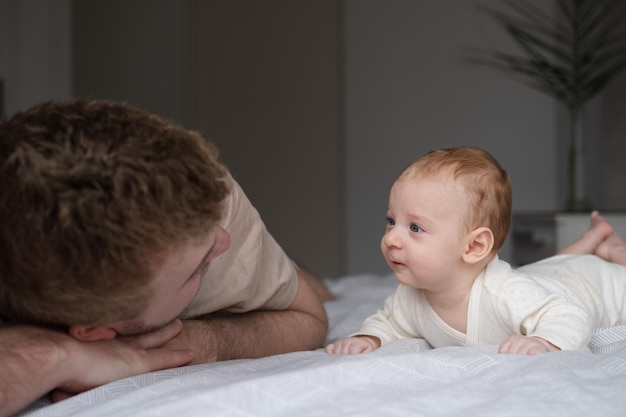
[{"x": 92, "y": 193}]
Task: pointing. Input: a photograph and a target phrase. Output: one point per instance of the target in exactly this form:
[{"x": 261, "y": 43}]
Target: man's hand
[
  {"x": 525, "y": 345},
  {"x": 352, "y": 345},
  {"x": 96, "y": 363},
  {"x": 35, "y": 361}
]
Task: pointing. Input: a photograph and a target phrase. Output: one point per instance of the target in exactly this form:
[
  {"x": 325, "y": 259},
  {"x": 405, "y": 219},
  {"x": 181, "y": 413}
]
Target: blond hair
[
  {"x": 487, "y": 184},
  {"x": 91, "y": 194}
]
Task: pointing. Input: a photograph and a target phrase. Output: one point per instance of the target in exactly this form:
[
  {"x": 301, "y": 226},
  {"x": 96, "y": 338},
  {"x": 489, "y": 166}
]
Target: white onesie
[{"x": 560, "y": 299}]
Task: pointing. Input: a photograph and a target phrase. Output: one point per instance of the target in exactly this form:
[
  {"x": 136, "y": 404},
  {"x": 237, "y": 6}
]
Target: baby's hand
[
  {"x": 351, "y": 345},
  {"x": 526, "y": 345}
]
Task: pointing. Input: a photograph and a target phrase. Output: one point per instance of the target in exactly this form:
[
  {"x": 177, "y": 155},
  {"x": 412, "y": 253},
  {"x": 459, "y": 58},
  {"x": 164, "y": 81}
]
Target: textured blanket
[{"x": 404, "y": 378}]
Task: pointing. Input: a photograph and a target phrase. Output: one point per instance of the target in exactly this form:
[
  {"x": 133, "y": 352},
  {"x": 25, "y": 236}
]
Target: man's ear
[
  {"x": 479, "y": 246},
  {"x": 86, "y": 333}
]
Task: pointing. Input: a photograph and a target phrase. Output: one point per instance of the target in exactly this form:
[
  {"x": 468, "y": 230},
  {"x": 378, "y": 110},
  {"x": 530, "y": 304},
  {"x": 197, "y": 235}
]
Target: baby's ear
[
  {"x": 86, "y": 333},
  {"x": 479, "y": 245}
]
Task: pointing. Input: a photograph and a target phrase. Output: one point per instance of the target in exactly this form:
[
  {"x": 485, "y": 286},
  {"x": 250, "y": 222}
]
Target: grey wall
[
  {"x": 140, "y": 51},
  {"x": 316, "y": 104},
  {"x": 269, "y": 94},
  {"x": 408, "y": 92},
  {"x": 612, "y": 139},
  {"x": 259, "y": 78},
  {"x": 35, "y": 52}
]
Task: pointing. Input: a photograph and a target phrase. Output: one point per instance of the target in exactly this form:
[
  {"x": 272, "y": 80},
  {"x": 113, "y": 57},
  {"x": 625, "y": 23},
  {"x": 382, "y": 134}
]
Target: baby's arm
[
  {"x": 386, "y": 325},
  {"x": 354, "y": 344},
  {"x": 526, "y": 345}
]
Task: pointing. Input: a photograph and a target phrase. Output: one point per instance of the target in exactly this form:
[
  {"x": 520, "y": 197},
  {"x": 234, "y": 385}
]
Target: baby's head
[
  {"x": 93, "y": 195},
  {"x": 486, "y": 183}
]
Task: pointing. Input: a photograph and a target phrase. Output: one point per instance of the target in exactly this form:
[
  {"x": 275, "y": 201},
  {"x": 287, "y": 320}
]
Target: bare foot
[
  {"x": 612, "y": 248},
  {"x": 599, "y": 231}
]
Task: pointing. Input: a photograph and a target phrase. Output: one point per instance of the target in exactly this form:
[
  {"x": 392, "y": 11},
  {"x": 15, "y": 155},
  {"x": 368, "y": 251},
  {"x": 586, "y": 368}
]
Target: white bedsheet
[{"x": 403, "y": 378}]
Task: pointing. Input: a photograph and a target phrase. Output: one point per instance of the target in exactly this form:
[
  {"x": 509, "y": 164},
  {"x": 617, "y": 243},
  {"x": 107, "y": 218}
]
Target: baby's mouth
[{"x": 395, "y": 263}]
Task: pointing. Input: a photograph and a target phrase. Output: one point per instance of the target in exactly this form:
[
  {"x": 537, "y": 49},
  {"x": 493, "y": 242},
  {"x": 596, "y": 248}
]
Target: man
[{"x": 115, "y": 222}]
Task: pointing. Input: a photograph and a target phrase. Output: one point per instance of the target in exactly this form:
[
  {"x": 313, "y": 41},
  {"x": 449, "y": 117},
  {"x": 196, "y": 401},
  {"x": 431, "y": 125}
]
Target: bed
[{"x": 403, "y": 378}]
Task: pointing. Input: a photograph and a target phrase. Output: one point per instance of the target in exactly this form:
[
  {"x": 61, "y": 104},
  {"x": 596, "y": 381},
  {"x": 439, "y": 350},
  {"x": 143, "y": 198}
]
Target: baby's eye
[
  {"x": 390, "y": 221},
  {"x": 415, "y": 228}
]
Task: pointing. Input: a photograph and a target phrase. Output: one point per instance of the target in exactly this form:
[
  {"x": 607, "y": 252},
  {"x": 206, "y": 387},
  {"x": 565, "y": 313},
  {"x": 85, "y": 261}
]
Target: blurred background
[{"x": 316, "y": 105}]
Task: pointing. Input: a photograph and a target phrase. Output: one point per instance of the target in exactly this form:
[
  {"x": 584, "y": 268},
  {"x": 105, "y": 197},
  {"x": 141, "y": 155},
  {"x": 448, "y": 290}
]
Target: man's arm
[
  {"x": 216, "y": 337},
  {"x": 35, "y": 361}
]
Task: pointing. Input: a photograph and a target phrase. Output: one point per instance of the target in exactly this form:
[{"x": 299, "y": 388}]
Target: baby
[{"x": 448, "y": 215}]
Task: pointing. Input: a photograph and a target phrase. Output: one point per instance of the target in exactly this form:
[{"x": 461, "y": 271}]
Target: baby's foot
[
  {"x": 608, "y": 248},
  {"x": 599, "y": 230}
]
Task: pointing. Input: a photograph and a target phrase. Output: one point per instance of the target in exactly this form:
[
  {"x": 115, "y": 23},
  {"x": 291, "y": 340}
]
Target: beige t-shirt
[{"x": 253, "y": 274}]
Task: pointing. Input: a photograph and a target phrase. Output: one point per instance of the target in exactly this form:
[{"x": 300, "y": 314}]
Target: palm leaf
[{"x": 571, "y": 58}]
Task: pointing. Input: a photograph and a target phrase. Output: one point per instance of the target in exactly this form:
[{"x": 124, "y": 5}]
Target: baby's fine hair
[
  {"x": 92, "y": 195},
  {"x": 487, "y": 183}
]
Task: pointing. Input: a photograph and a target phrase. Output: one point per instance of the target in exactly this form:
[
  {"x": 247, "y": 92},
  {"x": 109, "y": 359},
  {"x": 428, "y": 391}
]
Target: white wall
[{"x": 407, "y": 92}]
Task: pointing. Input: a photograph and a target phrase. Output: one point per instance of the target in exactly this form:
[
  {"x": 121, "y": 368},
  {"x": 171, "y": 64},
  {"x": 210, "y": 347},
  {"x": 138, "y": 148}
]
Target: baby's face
[
  {"x": 425, "y": 234},
  {"x": 177, "y": 281}
]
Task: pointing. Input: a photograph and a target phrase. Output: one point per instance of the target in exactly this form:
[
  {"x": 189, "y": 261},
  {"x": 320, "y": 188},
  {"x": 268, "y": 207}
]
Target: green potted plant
[{"x": 571, "y": 55}]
